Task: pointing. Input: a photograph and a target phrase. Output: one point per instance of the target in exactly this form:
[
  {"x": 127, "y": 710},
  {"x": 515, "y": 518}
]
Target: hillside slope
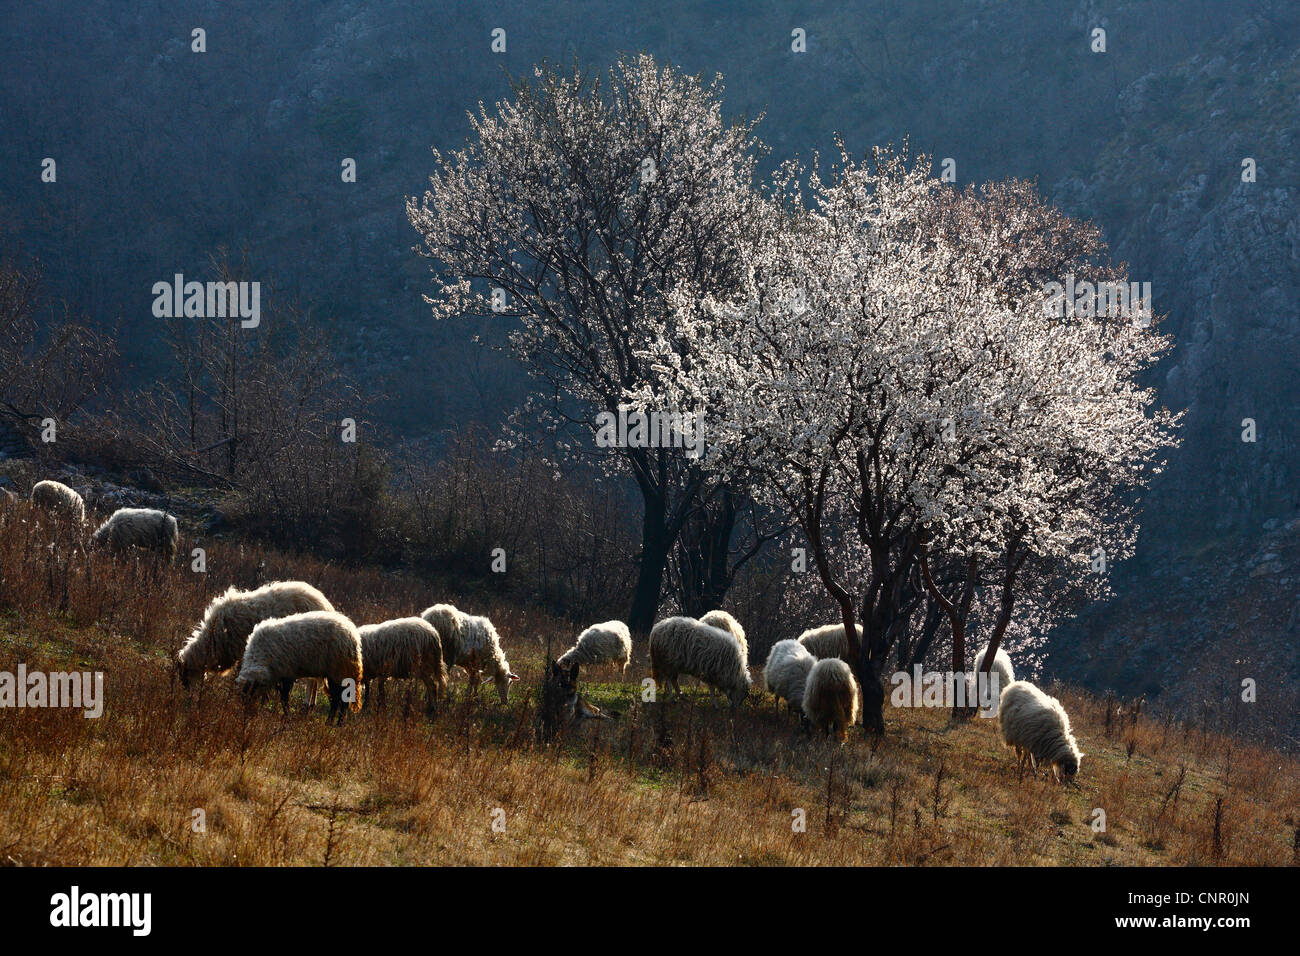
[{"x": 669, "y": 783}]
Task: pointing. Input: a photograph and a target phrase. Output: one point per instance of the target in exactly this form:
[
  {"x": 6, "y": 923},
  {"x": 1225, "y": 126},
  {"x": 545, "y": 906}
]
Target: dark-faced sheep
[{"x": 317, "y": 644}]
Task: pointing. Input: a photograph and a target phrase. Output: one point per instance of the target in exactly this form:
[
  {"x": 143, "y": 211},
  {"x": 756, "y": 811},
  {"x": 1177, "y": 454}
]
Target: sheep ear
[{"x": 514, "y": 677}]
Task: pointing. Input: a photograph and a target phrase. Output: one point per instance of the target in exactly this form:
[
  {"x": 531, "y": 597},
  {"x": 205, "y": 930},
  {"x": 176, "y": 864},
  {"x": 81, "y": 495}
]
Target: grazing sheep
[
  {"x": 404, "y": 648},
  {"x": 682, "y": 645},
  {"x": 830, "y": 697},
  {"x": 447, "y": 621},
  {"x": 480, "y": 650},
  {"x": 1036, "y": 725},
  {"x": 59, "y": 499},
  {"x": 217, "y": 644},
  {"x": 724, "y": 621},
  {"x": 1001, "y": 676},
  {"x": 786, "y": 672},
  {"x": 319, "y": 644},
  {"x": 827, "y": 641},
  {"x": 143, "y": 528},
  {"x": 608, "y": 643}
]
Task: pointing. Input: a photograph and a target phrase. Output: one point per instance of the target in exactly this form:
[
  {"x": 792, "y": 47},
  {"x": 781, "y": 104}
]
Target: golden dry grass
[{"x": 675, "y": 783}]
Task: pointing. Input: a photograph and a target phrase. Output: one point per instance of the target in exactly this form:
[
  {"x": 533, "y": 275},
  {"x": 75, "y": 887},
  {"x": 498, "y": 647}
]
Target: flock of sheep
[
  {"x": 125, "y": 528},
  {"x": 288, "y": 631},
  {"x": 810, "y": 674}
]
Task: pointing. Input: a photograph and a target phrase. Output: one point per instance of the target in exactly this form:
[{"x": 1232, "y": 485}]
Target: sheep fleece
[
  {"x": 786, "y": 671},
  {"x": 219, "y": 641},
  {"x": 57, "y": 497},
  {"x": 830, "y": 696},
  {"x": 682, "y": 645},
  {"x": 725, "y": 622},
  {"x": 401, "y": 648},
  {"x": 1034, "y": 721},
  {"x": 827, "y": 641},
  {"x": 144, "y": 528},
  {"x": 607, "y": 643},
  {"x": 314, "y": 644}
]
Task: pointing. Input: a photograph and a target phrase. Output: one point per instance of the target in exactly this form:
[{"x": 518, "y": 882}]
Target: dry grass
[{"x": 677, "y": 783}]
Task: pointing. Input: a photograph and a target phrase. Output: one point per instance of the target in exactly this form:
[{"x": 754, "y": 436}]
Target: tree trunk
[
  {"x": 655, "y": 545},
  {"x": 703, "y": 553},
  {"x": 915, "y": 654}
]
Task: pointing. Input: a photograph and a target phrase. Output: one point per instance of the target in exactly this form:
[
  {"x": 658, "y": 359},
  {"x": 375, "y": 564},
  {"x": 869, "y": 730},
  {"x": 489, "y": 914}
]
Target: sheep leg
[
  {"x": 286, "y": 686},
  {"x": 430, "y": 697},
  {"x": 336, "y": 699}
]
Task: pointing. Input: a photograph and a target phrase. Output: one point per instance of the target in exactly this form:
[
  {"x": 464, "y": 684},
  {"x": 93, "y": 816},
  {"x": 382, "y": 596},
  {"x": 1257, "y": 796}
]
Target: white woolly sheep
[
  {"x": 608, "y": 643},
  {"x": 448, "y": 622},
  {"x": 1001, "y": 676},
  {"x": 315, "y": 644},
  {"x": 144, "y": 528},
  {"x": 407, "y": 647},
  {"x": 683, "y": 645},
  {"x": 59, "y": 499},
  {"x": 1036, "y": 725},
  {"x": 217, "y": 644},
  {"x": 827, "y": 641},
  {"x": 786, "y": 672},
  {"x": 475, "y": 646},
  {"x": 830, "y": 697},
  {"x": 724, "y": 621}
]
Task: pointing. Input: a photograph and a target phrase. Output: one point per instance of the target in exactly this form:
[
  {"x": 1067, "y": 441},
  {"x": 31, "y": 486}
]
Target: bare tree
[{"x": 51, "y": 361}]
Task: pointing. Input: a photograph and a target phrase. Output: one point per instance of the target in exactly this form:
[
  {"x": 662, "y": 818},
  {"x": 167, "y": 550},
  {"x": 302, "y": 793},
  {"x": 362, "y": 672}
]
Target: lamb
[
  {"x": 683, "y": 645},
  {"x": 827, "y": 641},
  {"x": 59, "y": 499},
  {"x": 830, "y": 697},
  {"x": 317, "y": 644},
  {"x": 786, "y": 672},
  {"x": 724, "y": 621},
  {"x": 472, "y": 643},
  {"x": 143, "y": 528},
  {"x": 1001, "y": 676},
  {"x": 1036, "y": 725},
  {"x": 404, "y": 648},
  {"x": 217, "y": 644},
  {"x": 608, "y": 643}
]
